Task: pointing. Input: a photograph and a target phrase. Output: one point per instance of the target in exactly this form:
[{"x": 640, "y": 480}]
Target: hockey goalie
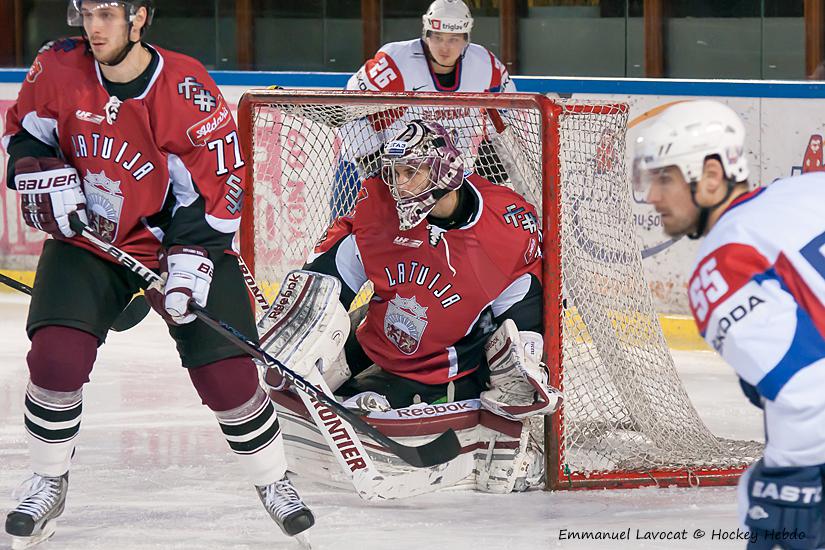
[{"x": 452, "y": 336}]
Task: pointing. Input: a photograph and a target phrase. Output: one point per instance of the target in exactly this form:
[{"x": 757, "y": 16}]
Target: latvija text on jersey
[{"x": 108, "y": 148}]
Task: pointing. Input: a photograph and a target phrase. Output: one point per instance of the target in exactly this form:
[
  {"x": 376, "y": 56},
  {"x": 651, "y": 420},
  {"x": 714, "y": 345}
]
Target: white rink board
[{"x": 780, "y": 132}]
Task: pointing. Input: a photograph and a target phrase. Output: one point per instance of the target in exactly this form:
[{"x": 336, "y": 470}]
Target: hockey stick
[
  {"x": 131, "y": 315},
  {"x": 442, "y": 449},
  {"x": 342, "y": 440}
]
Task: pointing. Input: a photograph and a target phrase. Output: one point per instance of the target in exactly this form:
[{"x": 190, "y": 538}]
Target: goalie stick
[
  {"x": 442, "y": 449},
  {"x": 343, "y": 442},
  {"x": 131, "y": 315}
]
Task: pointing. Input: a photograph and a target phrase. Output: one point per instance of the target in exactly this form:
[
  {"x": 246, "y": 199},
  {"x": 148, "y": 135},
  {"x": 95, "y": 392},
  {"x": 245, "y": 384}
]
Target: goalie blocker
[{"x": 306, "y": 330}]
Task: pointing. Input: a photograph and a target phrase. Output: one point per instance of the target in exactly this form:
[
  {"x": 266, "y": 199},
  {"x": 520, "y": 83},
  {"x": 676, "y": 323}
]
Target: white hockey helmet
[
  {"x": 684, "y": 135},
  {"x": 451, "y": 16}
]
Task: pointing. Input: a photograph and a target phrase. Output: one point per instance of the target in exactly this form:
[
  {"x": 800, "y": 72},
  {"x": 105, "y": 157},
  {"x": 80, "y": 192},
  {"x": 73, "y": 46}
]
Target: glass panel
[
  {"x": 635, "y": 67},
  {"x": 576, "y": 38},
  {"x": 783, "y": 40},
  {"x": 712, "y": 39},
  {"x": 190, "y": 29},
  {"x": 308, "y": 35},
  {"x": 43, "y": 20}
]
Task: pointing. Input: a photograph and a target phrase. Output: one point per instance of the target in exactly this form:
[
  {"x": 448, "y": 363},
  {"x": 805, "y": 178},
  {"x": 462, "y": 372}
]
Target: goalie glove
[
  {"x": 186, "y": 273},
  {"x": 519, "y": 385},
  {"x": 305, "y": 329},
  {"x": 49, "y": 191}
]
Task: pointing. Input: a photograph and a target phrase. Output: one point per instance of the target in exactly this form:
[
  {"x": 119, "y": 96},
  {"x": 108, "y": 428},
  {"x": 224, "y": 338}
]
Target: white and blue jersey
[{"x": 757, "y": 294}]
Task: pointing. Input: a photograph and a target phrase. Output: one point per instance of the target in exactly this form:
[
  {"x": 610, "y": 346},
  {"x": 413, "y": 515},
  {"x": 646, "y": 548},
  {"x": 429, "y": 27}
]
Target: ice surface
[{"x": 152, "y": 471}]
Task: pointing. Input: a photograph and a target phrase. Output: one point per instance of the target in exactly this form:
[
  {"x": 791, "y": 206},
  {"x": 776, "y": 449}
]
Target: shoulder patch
[
  {"x": 62, "y": 45},
  {"x": 520, "y": 217},
  {"x": 194, "y": 91},
  {"x": 34, "y": 71}
]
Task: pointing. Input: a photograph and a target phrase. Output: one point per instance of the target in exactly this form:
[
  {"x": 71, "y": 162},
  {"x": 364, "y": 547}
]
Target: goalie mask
[
  {"x": 420, "y": 165},
  {"x": 77, "y": 9}
]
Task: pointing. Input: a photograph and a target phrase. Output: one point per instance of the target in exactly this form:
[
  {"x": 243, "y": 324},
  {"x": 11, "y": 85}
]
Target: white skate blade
[
  {"x": 303, "y": 540},
  {"x": 21, "y": 543}
]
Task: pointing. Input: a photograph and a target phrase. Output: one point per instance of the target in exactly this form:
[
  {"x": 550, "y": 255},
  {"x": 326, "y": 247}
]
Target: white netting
[{"x": 625, "y": 408}]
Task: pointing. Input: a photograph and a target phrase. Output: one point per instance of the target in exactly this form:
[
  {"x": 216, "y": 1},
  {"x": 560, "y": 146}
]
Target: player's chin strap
[{"x": 705, "y": 211}]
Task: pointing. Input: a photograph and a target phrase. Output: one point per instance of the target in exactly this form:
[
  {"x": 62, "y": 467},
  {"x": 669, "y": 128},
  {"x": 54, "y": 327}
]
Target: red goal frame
[{"x": 556, "y": 476}]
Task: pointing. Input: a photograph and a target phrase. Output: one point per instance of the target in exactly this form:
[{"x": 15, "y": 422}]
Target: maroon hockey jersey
[
  {"x": 140, "y": 159},
  {"x": 433, "y": 286}
]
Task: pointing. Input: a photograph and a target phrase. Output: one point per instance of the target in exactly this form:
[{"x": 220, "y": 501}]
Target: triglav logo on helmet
[
  {"x": 447, "y": 26},
  {"x": 404, "y": 323}
]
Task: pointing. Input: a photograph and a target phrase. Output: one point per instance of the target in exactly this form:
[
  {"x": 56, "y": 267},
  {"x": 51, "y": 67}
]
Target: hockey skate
[
  {"x": 285, "y": 506},
  {"x": 42, "y": 500}
]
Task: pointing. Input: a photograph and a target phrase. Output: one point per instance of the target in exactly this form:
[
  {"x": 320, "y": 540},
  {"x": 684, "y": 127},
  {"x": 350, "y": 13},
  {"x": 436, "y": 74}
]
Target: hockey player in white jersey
[
  {"x": 443, "y": 59},
  {"x": 757, "y": 294}
]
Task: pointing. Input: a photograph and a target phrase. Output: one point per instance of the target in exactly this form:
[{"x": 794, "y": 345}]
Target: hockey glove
[
  {"x": 49, "y": 191},
  {"x": 186, "y": 273},
  {"x": 784, "y": 507}
]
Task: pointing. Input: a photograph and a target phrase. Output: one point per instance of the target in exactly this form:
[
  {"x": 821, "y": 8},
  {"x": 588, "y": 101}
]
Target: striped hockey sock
[
  {"x": 253, "y": 433},
  {"x": 52, "y": 421}
]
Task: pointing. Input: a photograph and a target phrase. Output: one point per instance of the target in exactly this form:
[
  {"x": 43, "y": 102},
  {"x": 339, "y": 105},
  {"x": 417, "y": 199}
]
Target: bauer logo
[{"x": 201, "y": 132}]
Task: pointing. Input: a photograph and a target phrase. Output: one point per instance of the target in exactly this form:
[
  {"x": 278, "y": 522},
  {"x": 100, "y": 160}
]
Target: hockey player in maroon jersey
[
  {"x": 139, "y": 143},
  {"x": 455, "y": 263}
]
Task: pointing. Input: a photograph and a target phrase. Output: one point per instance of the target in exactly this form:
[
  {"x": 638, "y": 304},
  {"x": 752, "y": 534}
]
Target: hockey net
[{"x": 626, "y": 420}]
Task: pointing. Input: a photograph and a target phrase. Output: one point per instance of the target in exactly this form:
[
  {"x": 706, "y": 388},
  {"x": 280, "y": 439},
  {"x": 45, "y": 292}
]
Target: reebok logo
[
  {"x": 406, "y": 241},
  {"x": 435, "y": 410},
  {"x": 86, "y": 116}
]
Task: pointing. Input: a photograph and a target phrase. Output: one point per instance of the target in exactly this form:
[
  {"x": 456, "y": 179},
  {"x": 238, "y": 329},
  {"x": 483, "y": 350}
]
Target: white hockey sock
[
  {"x": 52, "y": 421},
  {"x": 253, "y": 433}
]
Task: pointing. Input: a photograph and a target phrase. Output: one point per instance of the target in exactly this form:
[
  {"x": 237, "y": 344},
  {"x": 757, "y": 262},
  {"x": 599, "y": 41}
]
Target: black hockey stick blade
[
  {"x": 15, "y": 284},
  {"x": 438, "y": 451},
  {"x": 442, "y": 449},
  {"x": 132, "y": 314},
  {"x": 129, "y": 317}
]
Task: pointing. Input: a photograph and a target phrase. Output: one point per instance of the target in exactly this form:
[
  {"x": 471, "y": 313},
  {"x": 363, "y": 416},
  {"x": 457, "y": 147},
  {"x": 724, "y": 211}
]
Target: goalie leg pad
[
  {"x": 519, "y": 385},
  {"x": 306, "y": 328}
]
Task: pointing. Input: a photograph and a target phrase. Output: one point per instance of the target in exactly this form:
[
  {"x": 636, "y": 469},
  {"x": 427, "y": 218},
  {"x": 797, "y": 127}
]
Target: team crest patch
[
  {"x": 104, "y": 203},
  {"x": 34, "y": 71},
  {"x": 404, "y": 323}
]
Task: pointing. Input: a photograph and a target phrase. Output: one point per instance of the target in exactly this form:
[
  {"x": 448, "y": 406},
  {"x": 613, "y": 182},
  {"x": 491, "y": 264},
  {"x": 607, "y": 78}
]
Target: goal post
[{"x": 626, "y": 420}]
